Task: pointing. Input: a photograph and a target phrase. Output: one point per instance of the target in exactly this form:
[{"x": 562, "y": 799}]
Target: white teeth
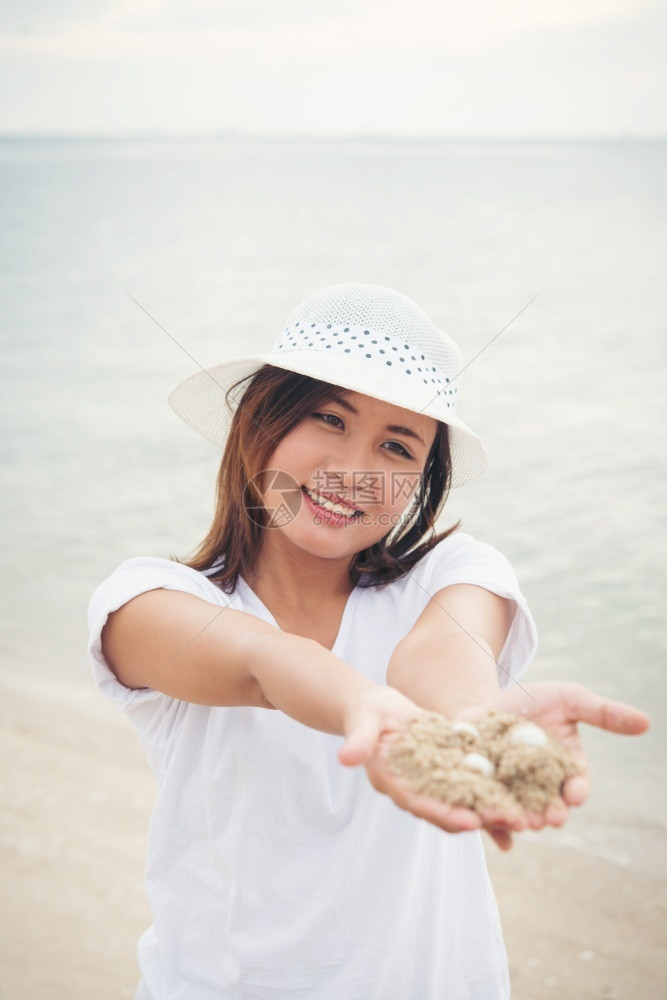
[{"x": 335, "y": 508}]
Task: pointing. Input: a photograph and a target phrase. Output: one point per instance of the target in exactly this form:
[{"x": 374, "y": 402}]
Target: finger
[
  {"x": 361, "y": 743},
  {"x": 452, "y": 819},
  {"x": 535, "y": 820},
  {"x": 614, "y": 716},
  {"x": 502, "y": 837},
  {"x": 495, "y": 818},
  {"x": 576, "y": 789},
  {"x": 556, "y": 813}
]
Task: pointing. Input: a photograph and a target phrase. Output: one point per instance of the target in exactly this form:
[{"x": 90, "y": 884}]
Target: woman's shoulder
[
  {"x": 463, "y": 556},
  {"x": 461, "y": 544},
  {"x": 142, "y": 573},
  {"x": 156, "y": 564}
]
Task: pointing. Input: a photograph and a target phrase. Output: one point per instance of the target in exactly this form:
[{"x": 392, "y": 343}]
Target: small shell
[
  {"x": 465, "y": 727},
  {"x": 477, "y": 762},
  {"x": 529, "y": 735}
]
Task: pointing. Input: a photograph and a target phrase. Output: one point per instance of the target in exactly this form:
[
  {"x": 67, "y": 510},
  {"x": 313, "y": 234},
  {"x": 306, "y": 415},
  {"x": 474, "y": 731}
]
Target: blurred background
[{"x": 217, "y": 162}]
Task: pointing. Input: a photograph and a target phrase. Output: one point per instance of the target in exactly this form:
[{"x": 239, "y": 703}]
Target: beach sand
[{"x": 77, "y": 795}]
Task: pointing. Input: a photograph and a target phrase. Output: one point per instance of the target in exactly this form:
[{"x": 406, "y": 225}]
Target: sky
[{"x": 405, "y": 68}]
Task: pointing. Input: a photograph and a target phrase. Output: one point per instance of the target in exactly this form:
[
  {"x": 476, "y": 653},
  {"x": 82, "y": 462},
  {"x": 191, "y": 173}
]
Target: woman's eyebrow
[
  {"x": 397, "y": 429},
  {"x": 394, "y": 428}
]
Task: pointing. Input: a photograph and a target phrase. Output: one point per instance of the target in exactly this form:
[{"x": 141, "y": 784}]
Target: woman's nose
[
  {"x": 354, "y": 476},
  {"x": 358, "y": 485}
]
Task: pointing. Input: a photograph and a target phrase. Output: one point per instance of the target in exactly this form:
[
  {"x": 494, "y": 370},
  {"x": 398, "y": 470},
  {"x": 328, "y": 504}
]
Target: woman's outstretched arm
[
  {"x": 448, "y": 664},
  {"x": 189, "y": 649},
  {"x": 192, "y": 650}
]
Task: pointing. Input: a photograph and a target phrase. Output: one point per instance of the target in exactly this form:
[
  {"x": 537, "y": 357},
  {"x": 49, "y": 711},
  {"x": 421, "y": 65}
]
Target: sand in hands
[{"x": 498, "y": 761}]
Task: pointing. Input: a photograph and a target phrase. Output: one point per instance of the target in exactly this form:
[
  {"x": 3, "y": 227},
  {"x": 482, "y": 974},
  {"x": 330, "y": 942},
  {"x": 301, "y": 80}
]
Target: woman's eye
[
  {"x": 333, "y": 421},
  {"x": 326, "y": 417},
  {"x": 401, "y": 450}
]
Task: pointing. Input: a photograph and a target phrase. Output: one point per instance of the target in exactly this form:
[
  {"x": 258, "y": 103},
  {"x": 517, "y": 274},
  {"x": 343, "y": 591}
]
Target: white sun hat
[{"x": 367, "y": 338}]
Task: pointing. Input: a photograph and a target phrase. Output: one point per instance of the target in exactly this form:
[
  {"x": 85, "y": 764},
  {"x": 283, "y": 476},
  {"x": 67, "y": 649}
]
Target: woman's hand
[
  {"x": 373, "y": 721},
  {"x": 376, "y": 718},
  {"x": 558, "y": 707}
]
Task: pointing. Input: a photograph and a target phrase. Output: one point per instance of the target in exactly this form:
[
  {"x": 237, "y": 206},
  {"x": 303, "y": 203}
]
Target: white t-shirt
[{"x": 276, "y": 873}]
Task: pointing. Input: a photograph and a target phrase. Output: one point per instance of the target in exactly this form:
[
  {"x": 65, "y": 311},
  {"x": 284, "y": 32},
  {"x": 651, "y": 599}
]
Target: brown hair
[{"x": 274, "y": 402}]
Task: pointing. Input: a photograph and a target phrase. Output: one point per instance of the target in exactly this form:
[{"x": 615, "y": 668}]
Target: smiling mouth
[{"x": 342, "y": 509}]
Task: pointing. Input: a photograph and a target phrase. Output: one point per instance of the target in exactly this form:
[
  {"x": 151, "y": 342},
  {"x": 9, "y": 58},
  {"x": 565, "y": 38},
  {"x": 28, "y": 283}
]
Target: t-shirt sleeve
[
  {"x": 462, "y": 559},
  {"x": 148, "y": 709}
]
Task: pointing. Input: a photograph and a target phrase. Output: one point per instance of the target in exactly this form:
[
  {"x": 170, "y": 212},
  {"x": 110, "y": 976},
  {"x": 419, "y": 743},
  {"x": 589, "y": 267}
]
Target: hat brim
[{"x": 201, "y": 399}]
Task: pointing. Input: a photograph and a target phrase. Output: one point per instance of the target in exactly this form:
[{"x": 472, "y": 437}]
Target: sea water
[{"x": 128, "y": 263}]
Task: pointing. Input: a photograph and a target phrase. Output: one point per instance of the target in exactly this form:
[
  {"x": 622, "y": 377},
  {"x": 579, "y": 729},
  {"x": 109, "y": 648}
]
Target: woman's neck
[{"x": 299, "y": 582}]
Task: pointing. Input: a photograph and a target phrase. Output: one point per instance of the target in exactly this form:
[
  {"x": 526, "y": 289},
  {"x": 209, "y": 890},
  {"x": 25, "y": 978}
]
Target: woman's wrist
[{"x": 370, "y": 715}]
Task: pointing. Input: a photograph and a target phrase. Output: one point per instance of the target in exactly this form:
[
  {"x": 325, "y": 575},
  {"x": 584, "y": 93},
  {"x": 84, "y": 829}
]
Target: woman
[{"x": 322, "y": 604}]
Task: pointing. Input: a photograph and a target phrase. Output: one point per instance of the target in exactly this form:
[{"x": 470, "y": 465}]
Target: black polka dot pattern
[{"x": 347, "y": 340}]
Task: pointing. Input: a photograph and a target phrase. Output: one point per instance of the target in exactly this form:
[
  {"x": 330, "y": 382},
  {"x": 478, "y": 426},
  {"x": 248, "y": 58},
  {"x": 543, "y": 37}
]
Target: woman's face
[{"x": 357, "y": 463}]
